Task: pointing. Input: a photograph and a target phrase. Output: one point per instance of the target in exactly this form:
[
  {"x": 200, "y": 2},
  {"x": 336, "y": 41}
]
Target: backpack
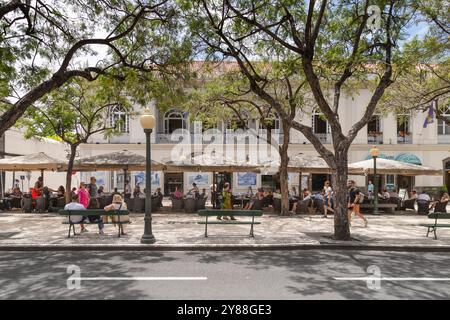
[{"x": 360, "y": 198}]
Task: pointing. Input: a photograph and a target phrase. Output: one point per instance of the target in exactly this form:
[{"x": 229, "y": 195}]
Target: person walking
[
  {"x": 227, "y": 202},
  {"x": 354, "y": 200},
  {"x": 327, "y": 199}
]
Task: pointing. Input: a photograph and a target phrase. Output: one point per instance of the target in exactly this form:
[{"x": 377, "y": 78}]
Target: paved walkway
[{"x": 182, "y": 231}]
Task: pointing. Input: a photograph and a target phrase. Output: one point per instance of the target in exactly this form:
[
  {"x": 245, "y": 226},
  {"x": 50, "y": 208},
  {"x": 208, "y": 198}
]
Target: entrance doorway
[
  {"x": 447, "y": 173},
  {"x": 405, "y": 182},
  {"x": 172, "y": 180},
  {"x": 221, "y": 178},
  {"x": 318, "y": 181}
]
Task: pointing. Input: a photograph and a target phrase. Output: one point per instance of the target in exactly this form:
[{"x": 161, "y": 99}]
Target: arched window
[
  {"x": 174, "y": 120},
  {"x": 119, "y": 119},
  {"x": 444, "y": 128}
]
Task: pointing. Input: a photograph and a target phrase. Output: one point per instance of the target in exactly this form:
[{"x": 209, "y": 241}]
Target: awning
[{"x": 408, "y": 158}]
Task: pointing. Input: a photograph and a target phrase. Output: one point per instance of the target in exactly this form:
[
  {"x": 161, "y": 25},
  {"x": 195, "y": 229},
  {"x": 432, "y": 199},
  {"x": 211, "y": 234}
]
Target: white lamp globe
[{"x": 147, "y": 120}]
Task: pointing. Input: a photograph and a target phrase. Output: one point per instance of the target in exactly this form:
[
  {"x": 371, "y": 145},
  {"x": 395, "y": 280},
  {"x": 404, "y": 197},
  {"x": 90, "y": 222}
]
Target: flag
[{"x": 430, "y": 117}]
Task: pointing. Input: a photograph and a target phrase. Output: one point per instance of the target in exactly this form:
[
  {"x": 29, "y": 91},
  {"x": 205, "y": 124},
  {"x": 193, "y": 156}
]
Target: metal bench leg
[
  {"x": 428, "y": 231},
  {"x": 70, "y": 226},
  {"x": 206, "y": 227},
  {"x": 435, "y": 236},
  {"x": 251, "y": 228}
]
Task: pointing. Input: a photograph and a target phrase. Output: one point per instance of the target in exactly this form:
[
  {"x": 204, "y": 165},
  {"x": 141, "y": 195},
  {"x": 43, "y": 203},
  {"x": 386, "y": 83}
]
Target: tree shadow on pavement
[
  {"x": 43, "y": 275},
  {"x": 312, "y": 273}
]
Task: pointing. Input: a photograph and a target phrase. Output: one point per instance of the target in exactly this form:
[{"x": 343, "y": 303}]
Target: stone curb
[{"x": 222, "y": 247}]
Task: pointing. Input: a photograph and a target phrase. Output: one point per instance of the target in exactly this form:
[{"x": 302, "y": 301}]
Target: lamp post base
[
  {"x": 148, "y": 239},
  {"x": 376, "y": 212}
]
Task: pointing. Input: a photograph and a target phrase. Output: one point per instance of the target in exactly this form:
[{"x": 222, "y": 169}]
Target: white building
[
  {"x": 402, "y": 138},
  {"x": 13, "y": 143}
]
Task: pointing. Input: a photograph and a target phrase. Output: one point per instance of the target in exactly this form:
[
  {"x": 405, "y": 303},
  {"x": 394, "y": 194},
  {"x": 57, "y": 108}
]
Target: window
[
  {"x": 174, "y": 120},
  {"x": 443, "y": 128},
  {"x": 119, "y": 119},
  {"x": 404, "y": 128},
  {"x": 375, "y": 130},
  {"x": 272, "y": 123},
  {"x": 319, "y": 123}
]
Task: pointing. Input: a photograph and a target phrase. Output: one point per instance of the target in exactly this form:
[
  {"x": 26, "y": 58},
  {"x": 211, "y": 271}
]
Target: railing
[
  {"x": 375, "y": 138},
  {"x": 324, "y": 137},
  {"x": 404, "y": 139}
]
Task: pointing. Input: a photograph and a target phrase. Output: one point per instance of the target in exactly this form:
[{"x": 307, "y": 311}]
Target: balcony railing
[
  {"x": 375, "y": 138},
  {"x": 324, "y": 137},
  {"x": 404, "y": 138}
]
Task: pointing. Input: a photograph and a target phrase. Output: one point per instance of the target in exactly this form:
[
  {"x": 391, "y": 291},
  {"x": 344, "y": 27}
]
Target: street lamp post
[
  {"x": 374, "y": 153},
  {"x": 148, "y": 123}
]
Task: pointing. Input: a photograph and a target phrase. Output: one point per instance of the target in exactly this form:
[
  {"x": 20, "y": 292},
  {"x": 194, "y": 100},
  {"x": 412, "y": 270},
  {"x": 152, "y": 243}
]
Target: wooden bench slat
[
  {"x": 228, "y": 222},
  {"x": 238, "y": 213},
  {"x": 93, "y": 212},
  {"x": 439, "y": 215}
]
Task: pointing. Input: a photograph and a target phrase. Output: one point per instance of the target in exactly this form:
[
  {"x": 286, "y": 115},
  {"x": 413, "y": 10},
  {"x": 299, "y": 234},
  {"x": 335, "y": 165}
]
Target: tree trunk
[
  {"x": 284, "y": 161},
  {"x": 73, "y": 152},
  {"x": 339, "y": 181}
]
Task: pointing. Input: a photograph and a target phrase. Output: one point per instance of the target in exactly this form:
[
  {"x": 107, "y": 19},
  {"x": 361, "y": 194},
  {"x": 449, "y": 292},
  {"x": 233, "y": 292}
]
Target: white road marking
[{"x": 140, "y": 278}]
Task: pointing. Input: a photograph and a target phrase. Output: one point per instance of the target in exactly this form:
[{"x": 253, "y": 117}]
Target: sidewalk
[{"x": 180, "y": 231}]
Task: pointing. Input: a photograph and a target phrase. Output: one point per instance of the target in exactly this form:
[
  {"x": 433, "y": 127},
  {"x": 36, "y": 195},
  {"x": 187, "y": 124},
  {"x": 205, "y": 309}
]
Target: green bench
[
  {"x": 433, "y": 226},
  {"x": 93, "y": 212},
  {"x": 236, "y": 213}
]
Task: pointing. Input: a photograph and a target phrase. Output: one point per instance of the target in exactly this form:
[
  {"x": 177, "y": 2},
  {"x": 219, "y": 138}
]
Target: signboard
[
  {"x": 403, "y": 194},
  {"x": 201, "y": 179},
  {"x": 246, "y": 179}
]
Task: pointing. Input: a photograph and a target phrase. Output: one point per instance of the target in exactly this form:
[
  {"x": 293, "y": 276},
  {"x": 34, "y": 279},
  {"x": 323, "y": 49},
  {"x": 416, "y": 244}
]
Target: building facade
[{"x": 399, "y": 137}]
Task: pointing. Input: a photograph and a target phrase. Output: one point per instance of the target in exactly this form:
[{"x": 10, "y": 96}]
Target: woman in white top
[
  {"x": 118, "y": 204},
  {"x": 327, "y": 199}
]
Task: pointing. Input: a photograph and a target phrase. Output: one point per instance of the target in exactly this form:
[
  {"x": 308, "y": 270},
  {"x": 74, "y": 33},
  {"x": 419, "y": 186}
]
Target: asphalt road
[{"x": 223, "y": 275}]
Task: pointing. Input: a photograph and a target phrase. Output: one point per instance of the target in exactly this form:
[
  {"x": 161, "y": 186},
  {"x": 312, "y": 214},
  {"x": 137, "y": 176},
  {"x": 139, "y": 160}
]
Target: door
[{"x": 172, "y": 180}]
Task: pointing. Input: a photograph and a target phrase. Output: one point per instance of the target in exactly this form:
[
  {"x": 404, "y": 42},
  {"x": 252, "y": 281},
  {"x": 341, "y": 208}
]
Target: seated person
[
  {"x": 268, "y": 199},
  {"x": 277, "y": 194},
  {"x": 393, "y": 194},
  {"x": 306, "y": 196},
  {"x": 160, "y": 197},
  {"x": 444, "y": 199},
  {"x": 137, "y": 192},
  {"x": 258, "y": 196},
  {"x": 115, "y": 192},
  {"x": 16, "y": 193},
  {"x": 100, "y": 191},
  {"x": 385, "y": 195},
  {"x": 249, "y": 193},
  {"x": 203, "y": 194},
  {"x": 178, "y": 194},
  {"x": 413, "y": 195},
  {"x": 423, "y": 197},
  {"x": 194, "y": 190},
  {"x": 61, "y": 192},
  {"x": 75, "y": 205}
]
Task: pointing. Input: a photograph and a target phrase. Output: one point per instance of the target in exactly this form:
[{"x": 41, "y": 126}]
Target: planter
[
  {"x": 190, "y": 205},
  {"x": 177, "y": 204},
  {"x": 201, "y": 203}
]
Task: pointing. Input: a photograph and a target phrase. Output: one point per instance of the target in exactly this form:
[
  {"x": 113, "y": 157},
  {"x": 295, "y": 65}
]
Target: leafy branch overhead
[{"x": 44, "y": 44}]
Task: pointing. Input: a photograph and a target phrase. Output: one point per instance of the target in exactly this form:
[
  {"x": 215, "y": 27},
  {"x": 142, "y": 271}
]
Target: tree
[
  {"x": 328, "y": 41},
  {"x": 426, "y": 66},
  {"x": 44, "y": 44},
  {"x": 74, "y": 113},
  {"x": 228, "y": 90}
]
